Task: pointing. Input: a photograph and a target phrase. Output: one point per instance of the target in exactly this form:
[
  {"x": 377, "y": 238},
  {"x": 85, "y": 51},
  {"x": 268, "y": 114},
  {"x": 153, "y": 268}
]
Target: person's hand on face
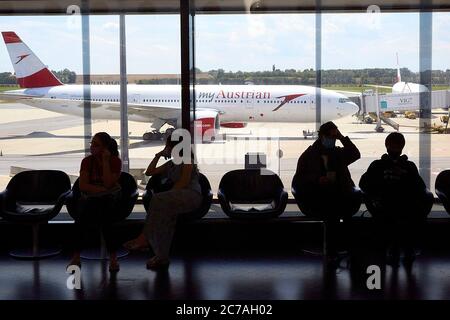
[
  {"x": 95, "y": 148},
  {"x": 106, "y": 154}
]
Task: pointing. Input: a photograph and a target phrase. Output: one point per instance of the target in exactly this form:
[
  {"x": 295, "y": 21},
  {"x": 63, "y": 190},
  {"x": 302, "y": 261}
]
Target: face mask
[{"x": 328, "y": 143}]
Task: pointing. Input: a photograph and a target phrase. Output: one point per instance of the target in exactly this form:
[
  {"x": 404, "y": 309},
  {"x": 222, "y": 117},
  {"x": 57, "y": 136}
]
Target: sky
[{"x": 246, "y": 42}]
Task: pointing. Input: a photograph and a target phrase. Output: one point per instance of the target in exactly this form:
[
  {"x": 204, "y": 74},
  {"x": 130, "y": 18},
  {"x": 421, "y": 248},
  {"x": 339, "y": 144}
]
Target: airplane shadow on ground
[
  {"x": 141, "y": 143},
  {"x": 40, "y": 135}
]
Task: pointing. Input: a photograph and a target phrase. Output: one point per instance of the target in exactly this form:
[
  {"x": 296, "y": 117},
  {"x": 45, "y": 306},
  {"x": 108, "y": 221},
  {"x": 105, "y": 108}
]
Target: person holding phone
[
  {"x": 183, "y": 195},
  {"x": 325, "y": 187},
  {"x": 100, "y": 190}
]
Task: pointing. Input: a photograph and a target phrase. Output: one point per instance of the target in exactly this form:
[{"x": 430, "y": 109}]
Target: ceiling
[{"x": 216, "y": 6}]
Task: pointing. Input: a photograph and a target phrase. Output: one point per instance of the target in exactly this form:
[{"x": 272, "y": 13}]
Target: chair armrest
[
  {"x": 2, "y": 200},
  {"x": 60, "y": 202},
  {"x": 62, "y": 198},
  {"x": 441, "y": 195},
  {"x": 224, "y": 203},
  {"x": 70, "y": 196},
  {"x": 283, "y": 197},
  {"x": 135, "y": 194}
]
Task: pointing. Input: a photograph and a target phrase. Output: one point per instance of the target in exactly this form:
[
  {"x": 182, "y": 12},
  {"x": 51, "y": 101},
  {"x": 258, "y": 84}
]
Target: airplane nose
[{"x": 351, "y": 108}]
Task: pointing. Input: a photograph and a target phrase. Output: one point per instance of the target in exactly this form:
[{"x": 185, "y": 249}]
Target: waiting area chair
[
  {"x": 343, "y": 209},
  {"x": 252, "y": 194},
  {"x": 33, "y": 198},
  {"x": 156, "y": 184},
  {"x": 442, "y": 188},
  {"x": 128, "y": 198}
]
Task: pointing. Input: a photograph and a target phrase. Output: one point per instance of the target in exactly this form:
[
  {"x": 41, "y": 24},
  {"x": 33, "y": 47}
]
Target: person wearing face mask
[
  {"x": 183, "y": 195},
  {"x": 100, "y": 190},
  {"x": 397, "y": 198},
  {"x": 324, "y": 181},
  {"x": 325, "y": 189}
]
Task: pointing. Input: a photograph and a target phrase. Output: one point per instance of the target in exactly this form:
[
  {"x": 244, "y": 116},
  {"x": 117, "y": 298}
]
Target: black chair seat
[
  {"x": 252, "y": 194},
  {"x": 442, "y": 187},
  {"x": 123, "y": 208},
  {"x": 342, "y": 209},
  {"x": 125, "y": 205},
  {"x": 24, "y": 214},
  {"x": 156, "y": 184},
  {"x": 34, "y": 197}
]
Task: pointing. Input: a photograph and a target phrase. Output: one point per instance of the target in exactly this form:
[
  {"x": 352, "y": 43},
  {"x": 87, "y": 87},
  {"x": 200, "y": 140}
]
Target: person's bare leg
[
  {"x": 157, "y": 263},
  {"x": 113, "y": 263},
  {"x": 76, "y": 259},
  {"x": 138, "y": 243}
]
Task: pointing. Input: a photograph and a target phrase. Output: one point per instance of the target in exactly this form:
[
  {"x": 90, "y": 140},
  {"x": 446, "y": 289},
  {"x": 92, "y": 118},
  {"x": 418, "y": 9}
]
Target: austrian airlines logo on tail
[
  {"x": 30, "y": 72},
  {"x": 288, "y": 98},
  {"x": 21, "y": 58}
]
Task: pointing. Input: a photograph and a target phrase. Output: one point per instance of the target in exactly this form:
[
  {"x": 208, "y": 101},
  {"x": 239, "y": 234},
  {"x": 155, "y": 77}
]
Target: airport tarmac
[{"x": 38, "y": 139}]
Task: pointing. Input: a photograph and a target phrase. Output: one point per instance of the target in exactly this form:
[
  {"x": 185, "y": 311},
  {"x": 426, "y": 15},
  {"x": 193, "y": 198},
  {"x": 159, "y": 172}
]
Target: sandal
[{"x": 156, "y": 263}]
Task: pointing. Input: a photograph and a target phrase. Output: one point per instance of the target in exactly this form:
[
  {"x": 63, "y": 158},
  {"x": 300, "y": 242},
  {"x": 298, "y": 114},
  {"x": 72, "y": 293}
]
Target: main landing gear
[{"x": 157, "y": 135}]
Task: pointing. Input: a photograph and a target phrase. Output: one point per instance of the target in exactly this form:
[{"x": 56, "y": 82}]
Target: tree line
[
  {"x": 348, "y": 77},
  {"x": 353, "y": 77}
]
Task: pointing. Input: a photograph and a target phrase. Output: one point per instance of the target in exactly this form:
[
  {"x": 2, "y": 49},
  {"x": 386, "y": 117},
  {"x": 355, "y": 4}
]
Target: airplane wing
[{"x": 145, "y": 110}]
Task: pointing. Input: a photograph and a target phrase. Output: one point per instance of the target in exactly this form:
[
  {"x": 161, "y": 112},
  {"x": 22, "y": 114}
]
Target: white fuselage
[
  {"x": 408, "y": 87},
  {"x": 234, "y": 103}
]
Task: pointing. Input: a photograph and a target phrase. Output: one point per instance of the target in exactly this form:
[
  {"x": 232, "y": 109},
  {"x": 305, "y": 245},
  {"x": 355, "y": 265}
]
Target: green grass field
[
  {"x": 358, "y": 89},
  {"x": 5, "y": 88}
]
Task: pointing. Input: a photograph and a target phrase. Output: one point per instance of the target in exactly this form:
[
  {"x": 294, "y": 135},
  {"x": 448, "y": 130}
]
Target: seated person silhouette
[
  {"x": 325, "y": 189},
  {"x": 100, "y": 191},
  {"x": 397, "y": 198},
  {"x": 183, "y": 195}
]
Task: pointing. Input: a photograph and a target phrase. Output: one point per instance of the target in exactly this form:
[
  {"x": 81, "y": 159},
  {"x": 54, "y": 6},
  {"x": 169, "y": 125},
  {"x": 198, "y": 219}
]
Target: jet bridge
[
  {"x": 403, "y": 101},
  {"x": 379, "y": 103}
]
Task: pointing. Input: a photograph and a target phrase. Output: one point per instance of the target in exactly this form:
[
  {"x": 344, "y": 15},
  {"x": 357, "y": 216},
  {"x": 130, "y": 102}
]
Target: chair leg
[
  {"x": 323, "y": 250},
  {"x": 324, "y": 253},
  {"x": 102, "y": 253},
  {"x": 35, "y": 252}
]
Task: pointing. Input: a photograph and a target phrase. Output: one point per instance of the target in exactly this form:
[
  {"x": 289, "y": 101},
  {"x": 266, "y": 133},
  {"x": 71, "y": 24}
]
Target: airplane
[
  {"x": 404, "y": 98},
  {"x": 406, "y": 87},
  {"x": 216, "y": 105}
]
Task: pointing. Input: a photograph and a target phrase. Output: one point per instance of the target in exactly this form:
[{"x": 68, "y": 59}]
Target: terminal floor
[
  {"x": 219, "y": 258},
  {"x": 224, "y": 276}
]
